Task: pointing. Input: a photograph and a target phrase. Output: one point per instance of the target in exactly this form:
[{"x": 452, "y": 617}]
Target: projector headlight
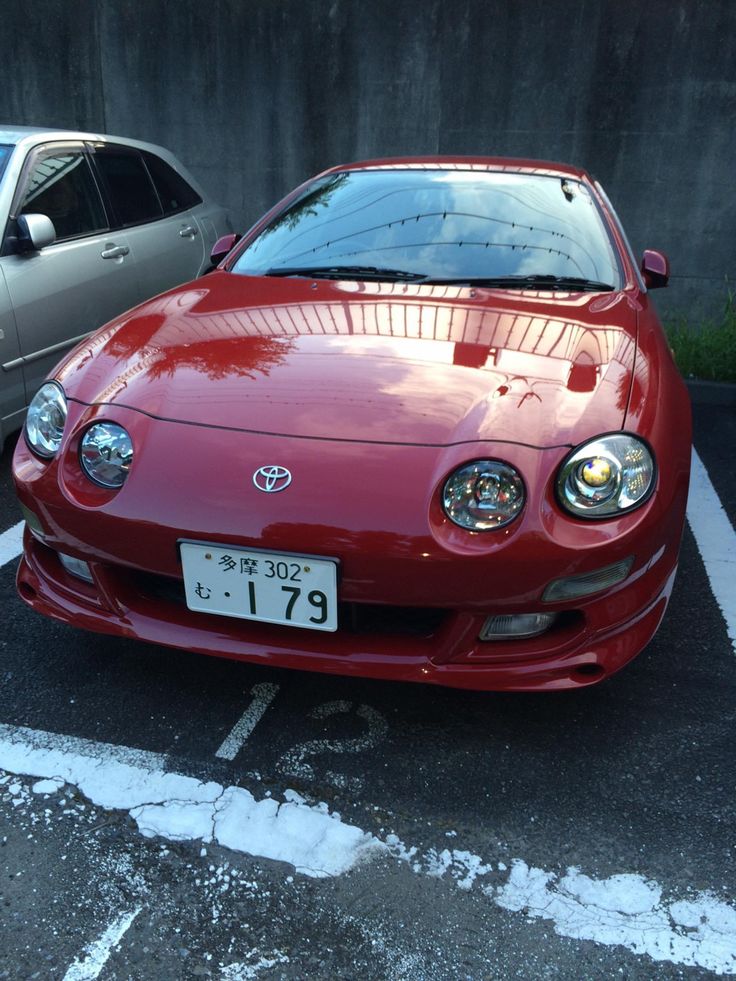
[
  {"x": 607, "y": 476},
  {"x": 106, "y": 454},
  {"x": 45, "y": 420},
  {"x": 483, "y": 495}
]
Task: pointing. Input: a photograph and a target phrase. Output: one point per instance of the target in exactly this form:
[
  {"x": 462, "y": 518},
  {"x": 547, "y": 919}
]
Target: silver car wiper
[
  {"x": 542, "y": 281},
  {"x": 345, "y": 272}
]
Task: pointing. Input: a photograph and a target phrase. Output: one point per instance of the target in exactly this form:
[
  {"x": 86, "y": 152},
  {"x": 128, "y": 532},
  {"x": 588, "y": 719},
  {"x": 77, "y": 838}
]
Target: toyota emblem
[{"x": 272, "y": 479}]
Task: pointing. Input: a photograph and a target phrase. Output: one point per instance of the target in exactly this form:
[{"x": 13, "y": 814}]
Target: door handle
[
  {"x": 188, "y": 231},
  {"x": 115, "y": 252}
]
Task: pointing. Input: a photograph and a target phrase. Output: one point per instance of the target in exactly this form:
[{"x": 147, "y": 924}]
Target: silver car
[{"x": 91, "y": 226}]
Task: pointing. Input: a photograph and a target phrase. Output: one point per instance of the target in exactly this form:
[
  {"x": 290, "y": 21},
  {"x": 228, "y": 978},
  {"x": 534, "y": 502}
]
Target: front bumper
[
  {"x": 576, "y": 654},
  {"x": 398, "y": 556}
]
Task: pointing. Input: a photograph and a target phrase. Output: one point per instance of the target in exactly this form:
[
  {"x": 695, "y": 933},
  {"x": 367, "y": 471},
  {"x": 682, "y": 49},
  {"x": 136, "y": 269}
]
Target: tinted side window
[
  {"x": 173, "y": 190},
  {"x": 63, "y": 188},
  {"x": 133, "y": 195}
]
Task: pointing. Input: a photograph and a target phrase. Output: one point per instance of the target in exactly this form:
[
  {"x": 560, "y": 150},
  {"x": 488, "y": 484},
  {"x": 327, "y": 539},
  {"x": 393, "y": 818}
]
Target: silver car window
[
  {"x": 61, "y": 186},
  {"x": 174, "y": 192},
  {"x": 134, "y": 198},
  {"x": 5, "y": 152}
]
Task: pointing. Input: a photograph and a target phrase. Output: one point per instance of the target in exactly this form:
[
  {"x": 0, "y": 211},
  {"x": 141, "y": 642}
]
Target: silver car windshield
[{"x": 439, "y": 225}]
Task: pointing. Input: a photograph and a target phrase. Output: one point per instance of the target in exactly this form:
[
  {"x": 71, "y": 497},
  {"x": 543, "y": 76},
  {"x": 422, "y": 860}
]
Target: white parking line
[
  {"x": 11, "y": 543},
  {"x": 625, "y": 910},
  {"x": 181, "y": 808},
  {"x": 95, "y": 955},
  {"x": 716, "y": 541},
  {"x": 263, "y": 695}
]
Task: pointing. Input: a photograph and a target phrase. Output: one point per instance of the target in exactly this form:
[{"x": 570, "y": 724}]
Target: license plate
[{"x": 273, "y": 587}]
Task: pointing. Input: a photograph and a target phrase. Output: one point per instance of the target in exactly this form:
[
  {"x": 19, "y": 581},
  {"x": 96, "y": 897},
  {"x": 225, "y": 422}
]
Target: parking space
[{"x": 457, "y": 817}]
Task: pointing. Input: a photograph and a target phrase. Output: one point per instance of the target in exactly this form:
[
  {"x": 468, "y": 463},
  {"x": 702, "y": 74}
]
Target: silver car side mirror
[{"x": 38, "y": 230}]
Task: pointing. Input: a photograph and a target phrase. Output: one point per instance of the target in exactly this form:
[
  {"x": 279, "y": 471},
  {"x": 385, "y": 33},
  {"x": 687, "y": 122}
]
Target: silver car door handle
[
  {"x": 115, "y": 252},
  {"x": 188, "y": 231}
]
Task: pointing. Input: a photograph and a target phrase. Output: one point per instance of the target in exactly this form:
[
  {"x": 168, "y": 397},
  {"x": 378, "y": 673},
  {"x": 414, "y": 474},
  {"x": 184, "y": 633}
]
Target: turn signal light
[
  {"x": 572, "y": 587},
  {"x": 34, "y": 523}
]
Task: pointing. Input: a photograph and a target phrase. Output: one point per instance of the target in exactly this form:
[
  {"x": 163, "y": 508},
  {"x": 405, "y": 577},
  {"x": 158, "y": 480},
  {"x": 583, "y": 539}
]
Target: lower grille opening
[
  {"x": 353, "y": 618},
  {"x": 408, "y": 621}
]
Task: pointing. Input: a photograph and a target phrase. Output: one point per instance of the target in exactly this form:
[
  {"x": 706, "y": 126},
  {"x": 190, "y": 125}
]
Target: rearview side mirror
[
  {"x": 222, "y": 246},
  {"x": 36, "y": 232},
  {"x": 655, "y": 268}
]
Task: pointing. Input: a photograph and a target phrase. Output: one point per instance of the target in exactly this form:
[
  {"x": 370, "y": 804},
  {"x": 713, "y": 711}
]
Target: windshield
[
  {"x": 438, "y": 225},
  {"x": 5, "y": 152}
]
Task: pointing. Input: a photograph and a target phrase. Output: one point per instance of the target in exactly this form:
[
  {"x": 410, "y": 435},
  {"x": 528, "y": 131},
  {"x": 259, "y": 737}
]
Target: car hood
[{"x": 398, "y": 363}]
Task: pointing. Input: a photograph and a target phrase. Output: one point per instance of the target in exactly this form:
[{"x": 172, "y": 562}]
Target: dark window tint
[
  {"x": 173, "y": 190},
  {"x": 450, "y": 224},
  {"x": 63, "y": 188},
  {"x": 133, "y": 195}
]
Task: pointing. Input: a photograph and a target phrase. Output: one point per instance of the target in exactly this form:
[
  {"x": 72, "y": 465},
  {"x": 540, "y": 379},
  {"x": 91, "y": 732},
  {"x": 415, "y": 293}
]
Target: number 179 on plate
[{"x": 272, "y": 587}]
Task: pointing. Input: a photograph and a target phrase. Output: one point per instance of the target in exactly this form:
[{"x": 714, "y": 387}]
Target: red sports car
[{"x": 421, "y": 423}]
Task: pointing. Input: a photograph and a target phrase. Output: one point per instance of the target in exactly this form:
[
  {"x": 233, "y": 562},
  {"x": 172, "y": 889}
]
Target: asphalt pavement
[{"x": 585, "y": 834}]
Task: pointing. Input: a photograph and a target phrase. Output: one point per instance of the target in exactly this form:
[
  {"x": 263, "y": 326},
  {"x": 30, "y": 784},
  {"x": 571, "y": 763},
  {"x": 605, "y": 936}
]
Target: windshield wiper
[
  {"x": 541, "y": 281},
  {"x": 345, "y": 272}
]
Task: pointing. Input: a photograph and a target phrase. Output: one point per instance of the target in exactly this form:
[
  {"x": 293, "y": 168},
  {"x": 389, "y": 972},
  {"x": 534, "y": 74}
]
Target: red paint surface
[{"x": 371, "y": 394}]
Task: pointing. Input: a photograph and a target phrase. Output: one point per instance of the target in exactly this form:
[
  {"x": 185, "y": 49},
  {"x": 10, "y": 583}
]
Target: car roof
[
  {"x": 25, "y": 138},
  {"x": 31, "y": 135},
  {"x": 14, "y": 134},
  {"x": 523, "y": 165}
]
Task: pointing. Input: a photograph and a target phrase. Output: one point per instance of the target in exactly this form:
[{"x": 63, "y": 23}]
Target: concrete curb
[{"x": 711, "y": 393}]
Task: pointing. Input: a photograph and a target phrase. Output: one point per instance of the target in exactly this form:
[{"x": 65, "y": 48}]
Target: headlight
[
  {"x": 483, "y": 495},
  {"x": 106, "y": 453},
  {"x": 605, "y": 477},
  {"x": 46, "y": 419}
]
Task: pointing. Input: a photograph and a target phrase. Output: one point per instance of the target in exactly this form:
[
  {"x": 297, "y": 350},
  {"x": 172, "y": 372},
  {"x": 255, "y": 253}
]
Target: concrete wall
[{"x": 256, "y": 95}]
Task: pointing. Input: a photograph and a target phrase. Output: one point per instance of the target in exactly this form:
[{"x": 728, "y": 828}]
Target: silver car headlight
[
  {"x": 607, "y": 476},
  {"x": 483, "y": 495},
  {"x": 46, "y": 419},
  {"x": 106, "y": 454}
]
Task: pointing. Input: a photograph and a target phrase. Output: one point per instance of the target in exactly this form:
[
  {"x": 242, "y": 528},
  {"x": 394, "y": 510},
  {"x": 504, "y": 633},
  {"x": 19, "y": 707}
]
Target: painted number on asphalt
[{"x": 293, "y": 763}]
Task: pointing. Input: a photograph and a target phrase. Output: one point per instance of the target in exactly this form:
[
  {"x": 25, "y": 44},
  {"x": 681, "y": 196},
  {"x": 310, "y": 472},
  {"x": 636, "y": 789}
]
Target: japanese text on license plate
[{"x": 272, "y": 587}]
